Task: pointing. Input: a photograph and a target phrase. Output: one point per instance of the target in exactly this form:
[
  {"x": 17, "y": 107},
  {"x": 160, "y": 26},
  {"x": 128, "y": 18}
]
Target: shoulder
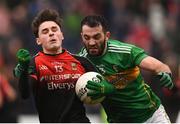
[
  {"x": 119, "y": 46},
  {"x": 118, "y": 43}
]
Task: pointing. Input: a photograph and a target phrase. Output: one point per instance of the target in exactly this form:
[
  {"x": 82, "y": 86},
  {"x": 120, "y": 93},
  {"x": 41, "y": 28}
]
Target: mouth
[
  {"x": 53, "y": 40},
  {"x": 93, "y": 50}
]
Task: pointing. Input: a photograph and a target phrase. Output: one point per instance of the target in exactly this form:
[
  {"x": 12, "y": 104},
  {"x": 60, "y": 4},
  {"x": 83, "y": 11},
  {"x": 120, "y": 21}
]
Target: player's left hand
[
  {"x": 23, "y": 57},
  {"x": 165, "y": 80},
  {"x": 99, "y": 89}
]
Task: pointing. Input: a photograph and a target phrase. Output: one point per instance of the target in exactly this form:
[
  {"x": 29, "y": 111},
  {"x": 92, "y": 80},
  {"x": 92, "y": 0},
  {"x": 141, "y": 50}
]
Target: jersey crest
[{"x": 73, "y": 66}]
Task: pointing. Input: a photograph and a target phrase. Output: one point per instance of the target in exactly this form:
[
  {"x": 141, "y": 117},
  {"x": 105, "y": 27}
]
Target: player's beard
[{"x": 101, "y": 49}]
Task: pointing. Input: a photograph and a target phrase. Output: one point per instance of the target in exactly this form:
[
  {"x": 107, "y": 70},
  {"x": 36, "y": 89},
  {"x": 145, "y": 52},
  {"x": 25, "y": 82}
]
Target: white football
[{"x": 82, "y": 91}]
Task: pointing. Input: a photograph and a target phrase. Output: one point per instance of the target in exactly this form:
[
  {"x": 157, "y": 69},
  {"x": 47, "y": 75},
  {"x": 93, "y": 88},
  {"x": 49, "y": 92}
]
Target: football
[{"x": 82, "y": 91}]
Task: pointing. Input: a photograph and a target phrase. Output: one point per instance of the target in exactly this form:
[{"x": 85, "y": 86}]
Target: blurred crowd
[{"x": 150, "y": 24}]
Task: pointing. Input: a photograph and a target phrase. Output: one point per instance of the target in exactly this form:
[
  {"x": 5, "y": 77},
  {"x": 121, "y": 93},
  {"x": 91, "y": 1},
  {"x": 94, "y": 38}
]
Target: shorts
[{"x": 159, "y": 116}]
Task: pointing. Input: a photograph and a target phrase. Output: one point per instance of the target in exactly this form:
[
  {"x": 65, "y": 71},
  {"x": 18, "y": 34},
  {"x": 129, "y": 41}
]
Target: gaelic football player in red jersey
[{"x": 52, "y": 73}]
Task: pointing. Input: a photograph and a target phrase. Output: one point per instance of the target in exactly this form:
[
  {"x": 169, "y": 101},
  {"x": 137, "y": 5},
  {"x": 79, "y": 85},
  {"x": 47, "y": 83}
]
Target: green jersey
[{"x": 133, "y": 101}]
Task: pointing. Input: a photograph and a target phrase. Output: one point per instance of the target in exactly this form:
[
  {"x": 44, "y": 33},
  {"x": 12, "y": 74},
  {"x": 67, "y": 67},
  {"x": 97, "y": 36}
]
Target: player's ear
[
  {"x": 37, "y": 41},
  {"x": 108, "y": 34},
  {"x": 81, "y": 34},
  {"x": 62, "y": 36}
]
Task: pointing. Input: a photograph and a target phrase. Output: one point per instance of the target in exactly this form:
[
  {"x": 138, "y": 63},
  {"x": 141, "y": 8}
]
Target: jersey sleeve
[
  {"x": 26, "y": 80},
  {"x": 32, "y": 69},
  {"x": 138, "y": 54}
]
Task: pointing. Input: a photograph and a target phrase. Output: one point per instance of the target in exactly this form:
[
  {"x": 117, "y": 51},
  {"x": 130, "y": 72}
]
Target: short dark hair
[
  {"x": 95, "y": 20},
  {"x": 45, "y": 15}
]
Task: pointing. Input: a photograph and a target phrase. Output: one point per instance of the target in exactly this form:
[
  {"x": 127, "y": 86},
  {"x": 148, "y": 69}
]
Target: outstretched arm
[
  {"x": 154, "y": 65},
  {"x": 158, "y": 68}
]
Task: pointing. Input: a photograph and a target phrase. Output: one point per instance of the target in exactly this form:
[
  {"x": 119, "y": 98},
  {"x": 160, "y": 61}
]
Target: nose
[
  {"x": 51, "y": 33},
  {"x": 92, "y": 42}
]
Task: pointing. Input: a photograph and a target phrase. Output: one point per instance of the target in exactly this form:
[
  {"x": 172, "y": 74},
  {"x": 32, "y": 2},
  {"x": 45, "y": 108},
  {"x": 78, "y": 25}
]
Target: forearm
[
  {"x": 24, "y": 85},
  {"x": 160, "y": 69},
  {"x": 154, "y": 65},
  {"x": 163, "y": 68}
]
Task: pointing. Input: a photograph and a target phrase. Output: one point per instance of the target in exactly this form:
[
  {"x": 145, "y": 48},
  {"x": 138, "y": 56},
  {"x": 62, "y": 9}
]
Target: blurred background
[{"x": 151, "y": 24}]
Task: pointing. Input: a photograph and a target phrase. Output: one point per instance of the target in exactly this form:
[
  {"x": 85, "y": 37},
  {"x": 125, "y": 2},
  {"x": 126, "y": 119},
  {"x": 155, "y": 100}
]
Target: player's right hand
[
  {"x": 98, "y": 89},
  {"x": 23, "y": 57}
]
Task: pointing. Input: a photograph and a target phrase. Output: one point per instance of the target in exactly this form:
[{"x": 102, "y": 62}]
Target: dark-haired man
[
  {"x": 128, "y": 97},
  {"x": 52, "y": 73}
]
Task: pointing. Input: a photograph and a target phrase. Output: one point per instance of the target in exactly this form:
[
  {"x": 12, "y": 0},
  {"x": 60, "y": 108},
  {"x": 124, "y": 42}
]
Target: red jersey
[
  {"x": 54, "y": 82},
  {"x": 57, "y": 71}
]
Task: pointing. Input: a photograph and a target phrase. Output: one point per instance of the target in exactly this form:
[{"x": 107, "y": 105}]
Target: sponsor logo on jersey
[
  {"x": 118, "y": 81},
  {"x": 123, "y": 78},
  {"x": 60, "y": 77},
  {"x": 61, "y": 81},
  {"x": 56, "y": 86}
]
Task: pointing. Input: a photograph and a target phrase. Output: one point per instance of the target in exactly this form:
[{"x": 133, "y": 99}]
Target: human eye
[
  {"x": 45, "y": 31},
  {"x": 54, "y": 29},
  {"x": 86, "y": 37},
  {"x": 97, "y": 36}
]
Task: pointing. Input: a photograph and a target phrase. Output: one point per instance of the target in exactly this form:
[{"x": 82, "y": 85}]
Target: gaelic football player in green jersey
[{"x": 128, "y": 97}]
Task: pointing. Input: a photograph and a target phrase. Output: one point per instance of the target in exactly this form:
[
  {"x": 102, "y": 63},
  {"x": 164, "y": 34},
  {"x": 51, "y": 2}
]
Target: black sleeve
[
  {"x": 26, "y": 82},
  {"x": 86, "y": 63},
  {"x": 24, "y": 85}
]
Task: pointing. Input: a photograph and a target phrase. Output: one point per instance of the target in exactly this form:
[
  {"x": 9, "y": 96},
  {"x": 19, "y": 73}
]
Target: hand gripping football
[{"x": 82, "y": 91}]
